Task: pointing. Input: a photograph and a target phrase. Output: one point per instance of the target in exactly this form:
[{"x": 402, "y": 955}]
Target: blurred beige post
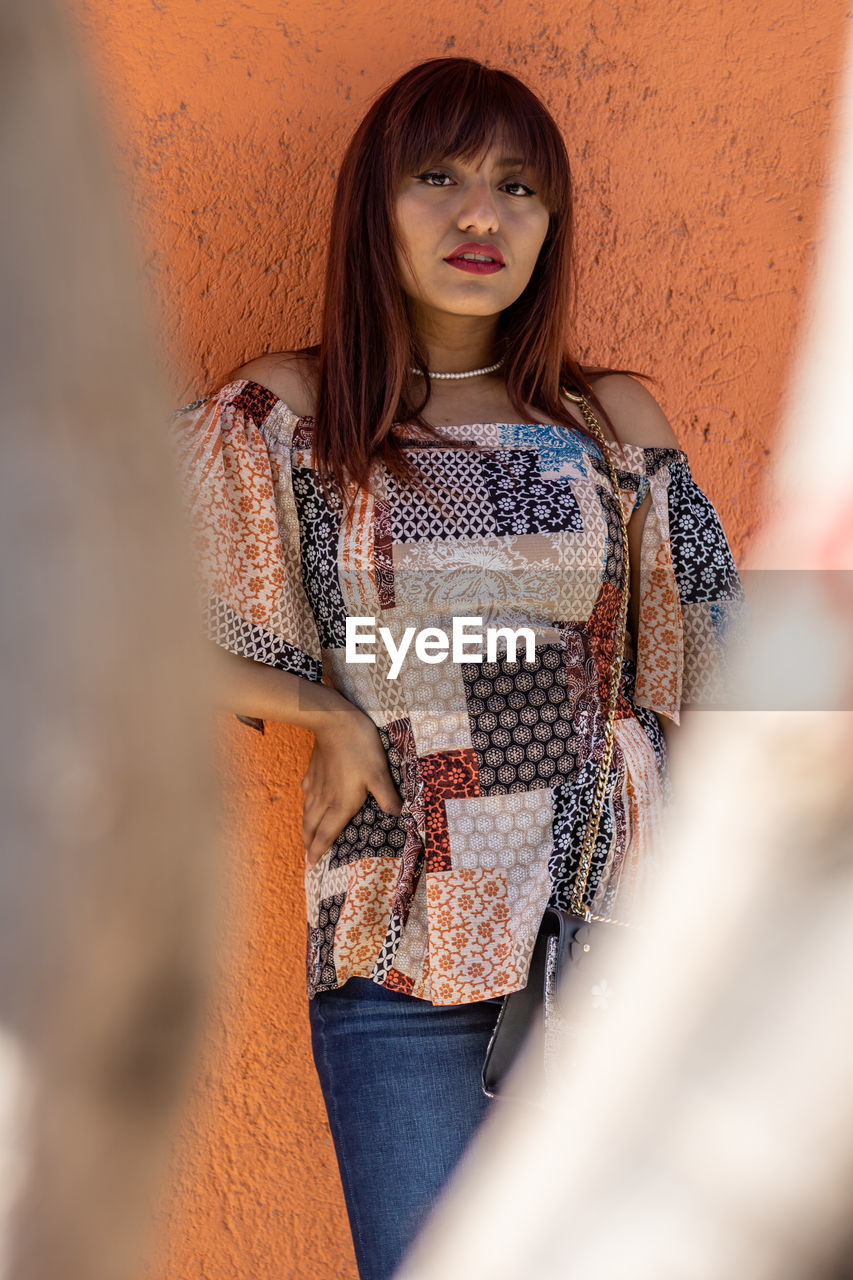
[
  {"x": 706, "y": 1131},
  {"x": 109, "y": 880}
]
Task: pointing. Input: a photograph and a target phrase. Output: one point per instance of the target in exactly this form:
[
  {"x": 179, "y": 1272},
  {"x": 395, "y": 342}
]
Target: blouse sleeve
[
  {"x": 245, "y": 531},
  {"x": 691, "y": 596}
]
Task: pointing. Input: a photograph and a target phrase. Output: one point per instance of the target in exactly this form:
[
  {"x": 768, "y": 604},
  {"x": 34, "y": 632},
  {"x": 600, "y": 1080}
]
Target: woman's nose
[{"x": 477, "y": 211}]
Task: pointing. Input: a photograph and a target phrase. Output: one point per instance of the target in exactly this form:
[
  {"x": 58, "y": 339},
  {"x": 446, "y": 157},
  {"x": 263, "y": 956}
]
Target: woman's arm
[
  {"x": 256, "y": 689},
  {"x": 639, "y": 420},
  {"x": 348, "y": 758},
  {"x": 635, "y": 536}
]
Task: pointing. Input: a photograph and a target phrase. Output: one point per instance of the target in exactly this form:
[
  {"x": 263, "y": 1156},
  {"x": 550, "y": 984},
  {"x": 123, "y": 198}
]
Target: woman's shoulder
[
  {"x": 289, "y": 375},
  {"x": 635, "y": 413}
]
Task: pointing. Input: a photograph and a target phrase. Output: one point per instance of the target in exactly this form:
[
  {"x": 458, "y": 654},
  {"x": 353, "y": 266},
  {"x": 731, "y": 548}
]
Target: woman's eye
[
  {"x": 438, "y": 178},
  {"x": 434, "y": 173}
]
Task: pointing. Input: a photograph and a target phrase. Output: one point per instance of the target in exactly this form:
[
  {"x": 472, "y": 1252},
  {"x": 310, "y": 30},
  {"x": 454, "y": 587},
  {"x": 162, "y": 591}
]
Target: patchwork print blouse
[{"x": 496, "y": 761}]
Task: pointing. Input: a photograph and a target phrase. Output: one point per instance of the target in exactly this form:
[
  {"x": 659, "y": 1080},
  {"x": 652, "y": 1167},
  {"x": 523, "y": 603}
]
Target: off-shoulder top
[{"x": 495, "y": 760}]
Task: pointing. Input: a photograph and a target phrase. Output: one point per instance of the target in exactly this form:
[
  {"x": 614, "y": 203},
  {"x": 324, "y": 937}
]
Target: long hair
[{"x": 454, "y": 108}]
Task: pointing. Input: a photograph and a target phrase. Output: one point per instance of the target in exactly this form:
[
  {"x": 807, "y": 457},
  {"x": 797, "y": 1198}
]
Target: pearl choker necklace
[{"x": 471, "y": 373}]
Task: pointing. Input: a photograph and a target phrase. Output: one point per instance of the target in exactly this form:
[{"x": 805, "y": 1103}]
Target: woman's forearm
[{"x": 251, "y": 688}]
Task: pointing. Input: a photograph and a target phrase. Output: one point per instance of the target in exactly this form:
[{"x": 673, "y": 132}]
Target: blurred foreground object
[
  {"x": 706, "y": 1131},
  {"x": 109, "y": 892}
]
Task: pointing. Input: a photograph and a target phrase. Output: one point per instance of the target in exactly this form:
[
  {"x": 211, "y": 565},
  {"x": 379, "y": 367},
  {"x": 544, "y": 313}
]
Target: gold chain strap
[{"x": 594, "y": 820}]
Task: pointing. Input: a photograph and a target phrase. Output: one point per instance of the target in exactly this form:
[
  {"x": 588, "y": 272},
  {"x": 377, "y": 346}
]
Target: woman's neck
[{"x": 454, "y": 344}]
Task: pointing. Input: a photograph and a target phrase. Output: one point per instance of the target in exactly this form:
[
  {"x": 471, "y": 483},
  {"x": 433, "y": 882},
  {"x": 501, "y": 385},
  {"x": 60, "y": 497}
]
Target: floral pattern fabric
[{"x": 496, "y": 761}]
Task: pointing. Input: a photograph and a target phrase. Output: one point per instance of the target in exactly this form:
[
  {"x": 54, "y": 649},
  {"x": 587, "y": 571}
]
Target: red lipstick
[{"x": 483, "y": 259}]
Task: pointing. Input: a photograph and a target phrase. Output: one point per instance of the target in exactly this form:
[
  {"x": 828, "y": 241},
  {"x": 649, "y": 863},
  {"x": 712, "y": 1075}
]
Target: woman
[{"x": 348, "y": 524}]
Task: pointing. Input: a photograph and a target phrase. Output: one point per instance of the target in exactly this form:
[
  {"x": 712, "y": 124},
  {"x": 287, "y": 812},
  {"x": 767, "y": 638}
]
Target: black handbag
[{"x": 566, "y": 949}]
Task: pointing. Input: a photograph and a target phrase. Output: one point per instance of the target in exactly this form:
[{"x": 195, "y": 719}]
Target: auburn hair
[{"x": 443, "y": 108}]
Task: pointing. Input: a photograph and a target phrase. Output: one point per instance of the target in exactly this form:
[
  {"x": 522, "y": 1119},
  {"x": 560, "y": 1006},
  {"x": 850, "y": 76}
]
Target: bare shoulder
[
  {"x": 634, "y": 412},
  {"x": 290, "y": 375}
]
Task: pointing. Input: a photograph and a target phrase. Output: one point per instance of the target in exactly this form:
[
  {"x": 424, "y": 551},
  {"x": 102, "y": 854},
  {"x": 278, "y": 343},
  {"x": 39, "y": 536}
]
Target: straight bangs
[{"x": 456, "y": 109}]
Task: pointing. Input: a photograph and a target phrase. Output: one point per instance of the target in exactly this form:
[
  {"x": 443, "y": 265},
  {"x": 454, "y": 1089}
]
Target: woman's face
[{"x": 483, "y": 208}]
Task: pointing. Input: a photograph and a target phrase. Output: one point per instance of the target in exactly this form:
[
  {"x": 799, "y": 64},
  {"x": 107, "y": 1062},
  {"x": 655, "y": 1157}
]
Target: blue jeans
[{"x": 401, "y": 1082}]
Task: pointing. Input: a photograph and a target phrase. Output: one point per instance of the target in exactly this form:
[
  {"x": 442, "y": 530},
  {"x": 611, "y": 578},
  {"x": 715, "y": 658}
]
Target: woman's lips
[
  {"x": 478, "y": 258},
  {"x": 476, "y": 267}
]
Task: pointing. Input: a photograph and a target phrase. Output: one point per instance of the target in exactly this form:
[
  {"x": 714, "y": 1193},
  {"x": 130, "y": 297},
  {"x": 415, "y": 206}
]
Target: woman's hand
[{"x": 348, "y": 760}]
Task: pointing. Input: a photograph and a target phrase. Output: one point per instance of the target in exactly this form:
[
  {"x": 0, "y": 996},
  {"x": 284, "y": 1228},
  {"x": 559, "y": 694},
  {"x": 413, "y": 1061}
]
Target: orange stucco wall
[{"x": 699, "y": 135}]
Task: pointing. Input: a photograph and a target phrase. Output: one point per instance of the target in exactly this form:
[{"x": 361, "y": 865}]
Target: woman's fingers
[
  {"x": 386, "y": 795},
  {"x": 326, "y": 833},
  {"x": 327, "y": 809},
  {"x": 323, "y": 819},
  {"x": 322, "y": 823},
  {"x": 314, "y": 810},
  {"x": 314, "y": 850}
]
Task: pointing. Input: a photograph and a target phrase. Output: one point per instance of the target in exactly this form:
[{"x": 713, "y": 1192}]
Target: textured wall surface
[{"x": 699, "y": 135}]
